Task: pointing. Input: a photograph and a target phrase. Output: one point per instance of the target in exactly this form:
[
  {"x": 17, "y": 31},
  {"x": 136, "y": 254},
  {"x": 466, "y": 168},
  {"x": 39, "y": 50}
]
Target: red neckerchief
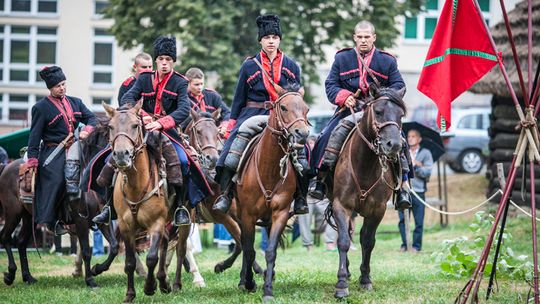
[
  {"x": 274, "y": 70},
  {"x": 158, "y": 88},
  {"x": 65, "y": 109},
  {"x": 200, "y": 101},
  {"x": 363, "y": 83}
]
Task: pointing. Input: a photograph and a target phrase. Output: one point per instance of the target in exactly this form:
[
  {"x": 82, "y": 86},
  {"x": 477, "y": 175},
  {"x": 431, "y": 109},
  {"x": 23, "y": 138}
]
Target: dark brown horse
[
  {"x": 204, "y": 138},
  {"x": 365, "y": 179},
  {"x": 81, "y": 213},
  {"x": 139, "y": 197},
  {"x": 268, "y": 182}
]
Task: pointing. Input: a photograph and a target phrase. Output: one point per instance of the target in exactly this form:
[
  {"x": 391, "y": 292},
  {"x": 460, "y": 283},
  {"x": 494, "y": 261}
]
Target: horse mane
[
  {"x": 392, "y": 94},
  {"x": 98, "y": 139},
  {"x": 290, "y": 87}
]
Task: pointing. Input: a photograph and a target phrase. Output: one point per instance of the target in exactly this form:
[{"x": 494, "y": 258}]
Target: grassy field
[{"x": 301, "y": 277}]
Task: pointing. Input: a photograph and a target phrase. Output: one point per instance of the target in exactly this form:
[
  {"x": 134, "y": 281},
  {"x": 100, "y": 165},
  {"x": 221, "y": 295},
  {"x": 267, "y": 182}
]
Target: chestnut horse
[
  {"x": 139, "y": 196},
  {"x": 365, "y": 179},
  {"x": 268, "y": 182}
]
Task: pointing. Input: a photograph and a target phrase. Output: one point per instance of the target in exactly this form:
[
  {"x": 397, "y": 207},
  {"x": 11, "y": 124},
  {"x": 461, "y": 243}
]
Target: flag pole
[
  {"x": 514, "y": 51},
  {"x": 529, "y": 46},
  {"x": 525, "y": 138}
]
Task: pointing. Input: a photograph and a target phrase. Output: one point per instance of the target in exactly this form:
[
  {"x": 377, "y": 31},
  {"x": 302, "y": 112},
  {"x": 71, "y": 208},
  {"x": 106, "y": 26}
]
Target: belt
[
  {"x": 255, "y": 104},
  {"x": 51, "y": 144}
]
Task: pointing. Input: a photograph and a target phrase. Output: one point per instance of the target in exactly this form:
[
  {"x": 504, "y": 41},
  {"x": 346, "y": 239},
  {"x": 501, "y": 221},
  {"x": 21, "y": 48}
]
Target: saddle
[
  {"x": 26, "y": 183},
  {"x": 339, "y": 136},
  {"x": 247, "y": 131},
  {"x": 245, "y": 156}
]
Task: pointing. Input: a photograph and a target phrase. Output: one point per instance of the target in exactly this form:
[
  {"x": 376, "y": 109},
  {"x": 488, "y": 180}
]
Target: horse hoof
[
  {"x": 129, "y": 299},
  {"x": 200, "y": 284},
  {"x": 29, "y": 280},
  {"x": 268, "y": 299},
  {"x": 367, "y": 286},
  {"x": 218, "y": 268},
  {"x": 8, "y": 278},
  {"x": 90, "y": 283},
  {"x": 251, "y": 287},
  {"x": 78, "y": 274},
  {"x": 94, "y": 271},
  {"x": 341, "y": 293},
  {"x": 177, "y": 287},
  {"x": 165, "y": 289},
  {"x": 242, "y": 287}
]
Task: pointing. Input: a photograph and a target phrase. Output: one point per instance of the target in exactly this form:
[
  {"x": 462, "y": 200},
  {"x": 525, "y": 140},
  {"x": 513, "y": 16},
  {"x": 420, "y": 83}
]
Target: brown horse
[
  {"x": 365, "y": 179},
  {"x": 268, "y": 182},
  {"x": 139, "y": 199},
  {"x": 204, "y": 138},
  {"x": 81, "y": 213}
]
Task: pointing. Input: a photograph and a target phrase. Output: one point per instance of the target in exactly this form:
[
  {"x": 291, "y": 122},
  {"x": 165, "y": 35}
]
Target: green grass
[{"x": 302, "y": 277}]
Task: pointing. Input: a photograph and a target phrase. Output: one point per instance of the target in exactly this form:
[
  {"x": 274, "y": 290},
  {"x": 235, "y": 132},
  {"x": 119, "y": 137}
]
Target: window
[
  {"x": 29, "y": 7},
  {"x": 29, "y": 48},
  {"x": 15, "y": 108},
  {"x": 102, "y": 70},
  {"x": 99, "y": 6},
  {"x": 420, "y": 28},
  {"x": 96, "y": 103},
  {"x": 473, "y": 122}
]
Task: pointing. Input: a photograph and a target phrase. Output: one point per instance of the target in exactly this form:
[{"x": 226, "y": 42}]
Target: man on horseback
[
  {"x": 141, "y": 63},
  {"x": 165, "y": 105},
  {"x": 256, "y": 86},
  {"x": 353, "y": 71},
  {"x": 54, "y": 120},
  {"x": 206, "y": 100}
]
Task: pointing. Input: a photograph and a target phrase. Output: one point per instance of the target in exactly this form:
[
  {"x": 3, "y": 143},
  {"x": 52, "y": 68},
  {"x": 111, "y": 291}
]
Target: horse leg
[
  {"x": 109, "y": 235},
  {"x": 234, "y": 229},
  {"x": 367, "y": 240},
  {"x": 164, "y": 285},
  {"x": 278, "y": 224},
  {"x": 183, "y": 233},
  {"x": 6, "y": 240},
  {"x": 77, "y": 265},
  {"x": 82, "y": 234},
  {"x": 152, "y": 259},
  {"x": 22, "y": 244},
  {"x": 342, "y": 219},
  {"x": 129, "y": 267},
  {"x": 198, "y": 280},
  {"x": 248, "y": 238}
]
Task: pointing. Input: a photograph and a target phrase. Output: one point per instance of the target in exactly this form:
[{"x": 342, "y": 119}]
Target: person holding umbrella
[{"x": 422, "y": 164}]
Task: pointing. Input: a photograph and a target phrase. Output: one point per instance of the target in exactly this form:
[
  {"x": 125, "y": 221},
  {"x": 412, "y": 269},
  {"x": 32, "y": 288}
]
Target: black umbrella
[{"x": 431, "y": 139}]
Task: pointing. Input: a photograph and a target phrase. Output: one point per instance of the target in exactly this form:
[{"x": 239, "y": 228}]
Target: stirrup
[{"x": 176, "y": 213}]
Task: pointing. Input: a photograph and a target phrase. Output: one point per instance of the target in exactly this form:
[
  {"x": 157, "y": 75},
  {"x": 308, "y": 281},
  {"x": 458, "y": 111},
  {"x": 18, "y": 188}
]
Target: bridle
[
  {"x": 139, "y": 143},
  {"x": 191, "y": 130}
]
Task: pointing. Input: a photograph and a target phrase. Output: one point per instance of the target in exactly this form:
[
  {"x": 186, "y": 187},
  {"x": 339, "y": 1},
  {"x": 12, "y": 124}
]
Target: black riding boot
[
  {"x": 300, "y": 203},
  {"x": 403, "y": 200},
  {"x": 181, "y": 214},
  {"x": 107, "y": 213},
  {"x": 223, "y": 202},
  {"x": 319, "y": 192}
]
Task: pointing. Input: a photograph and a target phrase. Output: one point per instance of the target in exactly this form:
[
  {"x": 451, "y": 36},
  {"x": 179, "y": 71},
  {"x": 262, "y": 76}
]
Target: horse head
[
  {"x": 384, "y": 111},
  {"x": 289, "y": 117},
  {"x": 204, "y": 136},
  {"x": 125, "y": 134}
]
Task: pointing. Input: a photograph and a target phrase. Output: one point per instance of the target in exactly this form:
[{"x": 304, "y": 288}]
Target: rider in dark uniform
[
  {"x": 347, "y": 77},
  {"x": 54, "y": 118},
  {"x": 206, "y": 100},
  {"x": 142, "y": 62},
  {"x": 165, "y": 105},
  {"x": 252, "y": 91}
]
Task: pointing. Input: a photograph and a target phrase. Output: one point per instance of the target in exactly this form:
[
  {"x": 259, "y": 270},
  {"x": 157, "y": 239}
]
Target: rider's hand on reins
[
  {"x": 147, "y": 119},
  {"x": 350, "y": 102},
  {"x": 83, "y": 135},
  {"x": 153, "y": 126}
]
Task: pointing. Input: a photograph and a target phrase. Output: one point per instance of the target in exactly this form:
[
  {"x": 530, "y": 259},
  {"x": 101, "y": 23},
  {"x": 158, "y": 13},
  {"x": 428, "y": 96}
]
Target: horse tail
[{"x": 329, "y": 216}]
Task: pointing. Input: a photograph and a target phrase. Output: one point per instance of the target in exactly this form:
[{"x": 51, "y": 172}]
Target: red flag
[{"x": 459, "y": 55}]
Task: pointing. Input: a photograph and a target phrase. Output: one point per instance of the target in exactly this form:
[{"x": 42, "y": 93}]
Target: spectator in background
[
  {"x": 422, "y": 164},
  {"x": 142, "y": 62},
  {"x": 98, "y": 249}
]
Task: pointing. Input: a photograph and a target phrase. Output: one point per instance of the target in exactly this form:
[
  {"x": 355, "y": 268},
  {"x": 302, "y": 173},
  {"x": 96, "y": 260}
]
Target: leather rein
[
  {"x": 191, "y": 130},
  {"x": 375, "y": 147}
]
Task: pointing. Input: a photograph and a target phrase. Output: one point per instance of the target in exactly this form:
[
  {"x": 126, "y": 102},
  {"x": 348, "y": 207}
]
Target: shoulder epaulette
[
  {"x": 181, "y": 75},
  {"x": 146, "y": 72},
  {"x": 343, "y": 50},
  {"x": 128, "y": 81},
  {"x": 210, "y": 90},
  {"x": 385, "y": 52}
]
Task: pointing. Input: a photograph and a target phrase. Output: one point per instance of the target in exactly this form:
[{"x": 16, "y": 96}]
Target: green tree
[{"x": 217, "y": 35}]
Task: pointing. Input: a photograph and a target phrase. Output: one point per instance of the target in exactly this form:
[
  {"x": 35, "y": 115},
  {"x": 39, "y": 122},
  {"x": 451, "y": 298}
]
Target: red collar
[
  {"x": 274, "y": 70},
  {"x": 159, "y": 86},
  {"x": 199, "y": 101},
  {"x": 65, "y": 109},
  {"x": 363, "y": 83}
]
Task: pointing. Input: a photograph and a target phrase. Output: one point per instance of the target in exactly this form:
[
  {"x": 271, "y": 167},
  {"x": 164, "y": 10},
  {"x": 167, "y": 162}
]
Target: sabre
[{"x": 57, "y": 150}]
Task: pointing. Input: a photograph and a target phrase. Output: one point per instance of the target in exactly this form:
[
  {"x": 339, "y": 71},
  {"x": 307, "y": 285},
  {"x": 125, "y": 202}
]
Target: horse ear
[
  {"x": 138, "y": 106},
  {"x": 302, "y": 91},
  {"x": 194, "y": 114},
  {"x": 108, "y": 109},
  {"x": 374, "y": 90},
  {"x": 401, "y": 92},
  {"x": 217, "y": 115}
]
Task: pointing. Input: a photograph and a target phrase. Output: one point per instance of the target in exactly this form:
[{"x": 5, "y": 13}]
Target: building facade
[{"x": 69, "y": 33}]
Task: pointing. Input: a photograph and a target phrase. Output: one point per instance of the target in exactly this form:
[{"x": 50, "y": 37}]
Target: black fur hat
[
  {"x": 165, "y": 46},
  {"x": 52, "y": 75},
  {"x": 268, "y": 25}
]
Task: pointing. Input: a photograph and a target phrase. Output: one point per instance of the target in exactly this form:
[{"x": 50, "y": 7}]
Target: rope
[{"x": 473, "y": 208}]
